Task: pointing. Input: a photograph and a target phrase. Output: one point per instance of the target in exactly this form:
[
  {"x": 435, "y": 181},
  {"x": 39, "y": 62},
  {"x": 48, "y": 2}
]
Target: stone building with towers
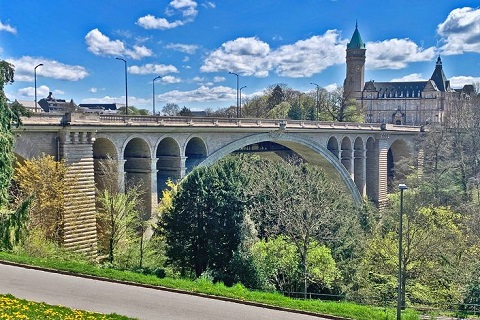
[{"x": 400, "y": 103}]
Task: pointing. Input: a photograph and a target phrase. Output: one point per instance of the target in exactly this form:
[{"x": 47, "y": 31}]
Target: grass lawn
[
  {"x": 201, "y": 286},
  {"x": 12, "y": 308}
]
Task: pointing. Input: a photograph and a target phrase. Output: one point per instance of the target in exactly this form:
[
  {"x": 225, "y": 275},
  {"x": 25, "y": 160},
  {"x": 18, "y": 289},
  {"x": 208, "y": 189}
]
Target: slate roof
[
  {"x": 439, "y": 77},
  {"x": 411, "y": 89}
]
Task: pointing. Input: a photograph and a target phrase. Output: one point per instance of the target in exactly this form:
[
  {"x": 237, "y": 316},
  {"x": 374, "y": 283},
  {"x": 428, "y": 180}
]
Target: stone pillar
[
  {"x": 79, "y": 225},
  {"x": 382, "y": 167},
  {"x": 121, "y": 175},
  {"x": 348, "y": 161},
  {"x": 361, "y": 170},
  {"x": 153, "y": 186},
  {"x": 183, "y": 167}
]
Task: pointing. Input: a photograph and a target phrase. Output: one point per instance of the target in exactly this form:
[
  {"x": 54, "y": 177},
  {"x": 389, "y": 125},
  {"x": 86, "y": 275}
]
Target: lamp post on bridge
[
  {"x": 316, "y": 101},
  {"x": 240, "y": 109},
  {"x": 35, "y": 77},
  {"x": 402, "y": 187},
  {"x": 126, "y": 85},
  {"x": 153, "y": 92}
]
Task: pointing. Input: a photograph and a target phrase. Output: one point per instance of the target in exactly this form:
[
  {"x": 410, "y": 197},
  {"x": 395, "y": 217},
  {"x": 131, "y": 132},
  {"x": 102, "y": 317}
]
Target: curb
[{"x": 203, "y": 295}]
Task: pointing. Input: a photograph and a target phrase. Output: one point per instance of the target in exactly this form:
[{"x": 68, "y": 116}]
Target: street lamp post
[
  {"x": 316, "y": 100},
  {"x": 126, "y": 85},
  {"x": 402, "y": 187},
  {"x": 238, "y": 110},
  {"x": 153, "y": 92},
  {"x": 35, "y": 77}
]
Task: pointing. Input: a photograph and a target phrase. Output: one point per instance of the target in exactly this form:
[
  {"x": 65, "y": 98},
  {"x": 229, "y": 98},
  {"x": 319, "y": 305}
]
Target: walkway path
[{"x": 137, "y": 302}]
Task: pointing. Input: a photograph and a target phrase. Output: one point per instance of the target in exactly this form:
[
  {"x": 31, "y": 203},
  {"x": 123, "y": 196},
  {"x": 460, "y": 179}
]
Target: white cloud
[
  {"x": 460, "y": 81},
  {"x": 307, "y": 57},
  {"x": 201, "y": 94},
  {"x": 251, "y": 56},
  {"x": 209, "y": 5},
  {"x": 170, "y": 80},
  {"x": 186, "y": 48},
  {"x": 396, "y": 54},
  {"x": 410, "y": 77},
  {"x": 7, "y": 28},
  {"x": 93, "y": 90},
  {"x": 24, "y": 69},
  {"x": 219, "y": 79},
  {"x": 248, "y": 56},
  {"x": 185, "y": 9},
  {"x": 159, "y": 69},
  {"x": 151, "y": 22},
  {"x": 100, "y": 44},
  {"x": 132, "y": 100},
  {"x": 42, "y": 92},
  {"x": 461, "y": 31}
]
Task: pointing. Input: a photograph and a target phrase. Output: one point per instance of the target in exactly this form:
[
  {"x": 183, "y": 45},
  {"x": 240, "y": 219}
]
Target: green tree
[
  {"x": 12, "y": 223},
  {"x": 185, "y": 112},
  {"x": 301, "y": 203},
  {"x": 7, "y": 116},
  {"x": 276, "y": 97},
  {"x": 118, "y": 218},
  {"x": 203, "y": 228},
  {"x": 133, "y": 111},
  {"x": 434, "y": 250},
  {"x": 277, "y": 260}
]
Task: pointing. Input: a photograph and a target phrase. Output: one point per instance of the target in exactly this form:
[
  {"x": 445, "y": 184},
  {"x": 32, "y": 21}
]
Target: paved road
[{"x": 136, "y": 302}]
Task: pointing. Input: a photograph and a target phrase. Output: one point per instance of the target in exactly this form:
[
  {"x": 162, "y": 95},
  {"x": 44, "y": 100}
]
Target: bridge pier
[{"x": 79, "y": 225}]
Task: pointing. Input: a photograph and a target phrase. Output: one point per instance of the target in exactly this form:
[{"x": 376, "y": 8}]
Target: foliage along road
[{"x": 132, "y": 301}]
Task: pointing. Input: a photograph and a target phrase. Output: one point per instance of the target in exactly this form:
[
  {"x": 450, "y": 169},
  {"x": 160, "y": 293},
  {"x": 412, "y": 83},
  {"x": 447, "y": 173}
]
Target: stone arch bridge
[{"x": 150, "y": 150}]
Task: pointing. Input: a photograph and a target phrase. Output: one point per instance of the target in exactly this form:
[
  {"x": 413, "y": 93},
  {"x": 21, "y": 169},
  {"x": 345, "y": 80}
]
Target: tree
[
  {"x": 133, "y": 111},
  {"x": 119, "y": 218},
  {"x": 275, "y": 97},
  {"x": 7, "y": 116},
  {"x": 43, "y": 179},
  {"x": 434, "y": 250},
  {"x": 299, "y": 202},
  {"x": 335, "y": 106},
  {"x": 277, "y": 259},
  {"x": 171, "y": 109},
  {"x": 185, "y": 112},
  {"x": 280, "y": 111},
  {"x": 203, "y": 228}
]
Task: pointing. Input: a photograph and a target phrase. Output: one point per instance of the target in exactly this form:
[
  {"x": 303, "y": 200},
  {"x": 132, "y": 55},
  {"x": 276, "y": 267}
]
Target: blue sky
[{"x": 193, "y": 45}]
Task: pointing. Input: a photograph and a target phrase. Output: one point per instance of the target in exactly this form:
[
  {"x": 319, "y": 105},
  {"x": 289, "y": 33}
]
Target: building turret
[{"x": 354, "y": 80}]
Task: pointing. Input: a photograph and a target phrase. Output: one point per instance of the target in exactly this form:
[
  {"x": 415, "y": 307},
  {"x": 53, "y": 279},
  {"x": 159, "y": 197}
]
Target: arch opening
[
  {"x": 195, "y": 153},
  {"x": 137, "y": 170},
  {"x": 169, "y": 162},
  {"x": 397, "y": 154}
]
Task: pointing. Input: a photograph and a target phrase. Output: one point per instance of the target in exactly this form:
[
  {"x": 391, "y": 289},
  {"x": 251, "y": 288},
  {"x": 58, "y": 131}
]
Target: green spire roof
[{"x": 356, "y": 42}]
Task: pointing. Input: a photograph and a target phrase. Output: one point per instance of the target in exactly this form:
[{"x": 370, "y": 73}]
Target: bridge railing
[{"x": 138, "y": 120}]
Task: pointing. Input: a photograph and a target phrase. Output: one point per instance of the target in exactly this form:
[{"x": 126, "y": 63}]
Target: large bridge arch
[{"x": 305, "y": 147}]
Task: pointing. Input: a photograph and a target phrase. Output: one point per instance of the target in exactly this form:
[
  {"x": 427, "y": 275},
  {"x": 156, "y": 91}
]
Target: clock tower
[{"x": 354, "y": 80}]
